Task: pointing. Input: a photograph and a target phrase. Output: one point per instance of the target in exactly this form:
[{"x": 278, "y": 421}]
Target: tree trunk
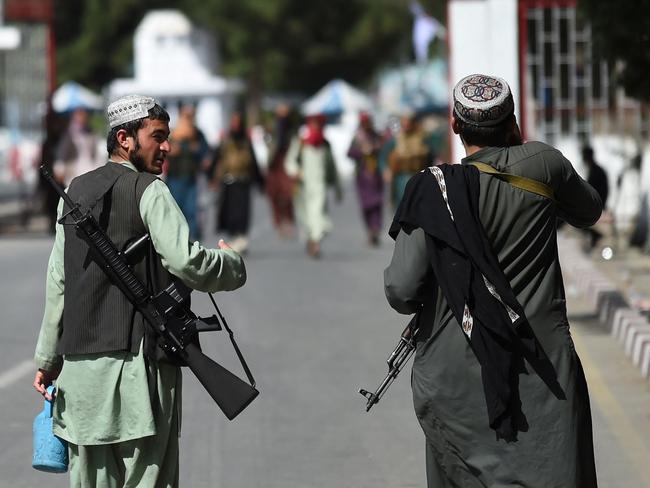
[{"x": 255, "y": 92}]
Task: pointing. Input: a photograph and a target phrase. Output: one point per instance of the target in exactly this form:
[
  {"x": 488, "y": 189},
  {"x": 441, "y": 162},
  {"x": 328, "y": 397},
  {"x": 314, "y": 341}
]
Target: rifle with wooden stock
[{"x": 167, "y": 313}]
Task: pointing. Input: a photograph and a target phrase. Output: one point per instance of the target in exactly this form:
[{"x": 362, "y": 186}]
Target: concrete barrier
[
  {"x": 598, "y": 287},
  {"x": 621, "y": 321},
  {"x": 634, "y": 332},
  {"x": 607, "y": 305},
  {"x": 641, "y": 346},
  {"x": 627, "y": 325},
  {"x": 645, "y": 363}
]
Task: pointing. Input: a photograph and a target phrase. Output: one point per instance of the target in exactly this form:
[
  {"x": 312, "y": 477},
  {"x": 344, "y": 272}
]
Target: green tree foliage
[
  {"x": 298, "y": 45},
  {"x": 285, "y": 45},
  {"x": 95, "y": 38},
  {"x": 621, "y": 32}
]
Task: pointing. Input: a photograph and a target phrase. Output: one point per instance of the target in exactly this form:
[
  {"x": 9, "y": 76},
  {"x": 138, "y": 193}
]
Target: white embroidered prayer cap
[
  {"x": 128, "y": 108},
  {"x": 483, "y": 100}
]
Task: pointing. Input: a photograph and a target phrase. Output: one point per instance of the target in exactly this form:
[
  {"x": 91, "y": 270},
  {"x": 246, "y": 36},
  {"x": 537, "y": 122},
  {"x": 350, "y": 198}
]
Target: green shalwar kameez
[
  {"x": 556, "y": 449},
  {"x": 120, "y": 412}
]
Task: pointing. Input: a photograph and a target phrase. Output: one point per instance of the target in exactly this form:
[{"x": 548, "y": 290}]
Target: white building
[
  {"x": 176, "y": 63},
  {"x": 561, "y": 89}
]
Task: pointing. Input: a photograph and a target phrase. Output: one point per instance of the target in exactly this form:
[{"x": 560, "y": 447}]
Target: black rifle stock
[
  {"x": 400, "y": 355},
  {"x": 171, "y": 323}
]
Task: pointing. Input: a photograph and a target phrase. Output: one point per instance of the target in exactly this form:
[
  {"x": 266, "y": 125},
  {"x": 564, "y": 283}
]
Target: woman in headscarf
[
  {"x": 311, "y": 163},
  {"x": 364, "y": 150}
]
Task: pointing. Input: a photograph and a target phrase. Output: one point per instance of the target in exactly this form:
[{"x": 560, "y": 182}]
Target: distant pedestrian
[
  {"x": 311, "y": 163},
  {"x": 408, "y": 153},
  {"x": 498, "y": 387},
  {"x": 597, "y": 177},
  {"x": 187, "y": 158},
  {"x": 364, "y": 150},
  {"x": 279, "y": 185},
  {"x": 235, "y": 171},
  {"x": 54, "y": 128},
  {"x": 627, "y": 206},
  {"x": 79, "y": 149}
]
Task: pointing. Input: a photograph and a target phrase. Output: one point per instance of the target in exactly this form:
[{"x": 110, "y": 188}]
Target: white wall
[
  {"x": 483, "y": 38},
  {"x": 175, "y": 62},
  {"x": 168, "y": 48}
]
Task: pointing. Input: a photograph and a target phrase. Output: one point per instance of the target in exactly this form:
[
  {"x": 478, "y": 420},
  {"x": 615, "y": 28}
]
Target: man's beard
[{"x": 136, "y": 158}]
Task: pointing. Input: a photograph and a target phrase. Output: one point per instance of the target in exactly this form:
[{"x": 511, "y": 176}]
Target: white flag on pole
[{"x": 425, "y": 29}]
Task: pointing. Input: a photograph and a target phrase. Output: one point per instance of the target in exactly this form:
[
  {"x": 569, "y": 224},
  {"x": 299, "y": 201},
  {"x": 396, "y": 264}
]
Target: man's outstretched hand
[{"x": 222, "y": 244}]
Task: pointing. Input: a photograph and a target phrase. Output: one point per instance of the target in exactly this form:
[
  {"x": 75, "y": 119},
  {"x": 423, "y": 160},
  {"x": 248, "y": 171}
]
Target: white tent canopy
[
  {"x": 339, "y": 98},
  {"x": 336, "y": 97},
  {"x": 71, "y": 96}
]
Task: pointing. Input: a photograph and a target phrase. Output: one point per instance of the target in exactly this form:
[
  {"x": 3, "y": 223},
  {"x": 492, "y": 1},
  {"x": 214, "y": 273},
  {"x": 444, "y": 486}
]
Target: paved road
[{"x": 314, "y": 332}]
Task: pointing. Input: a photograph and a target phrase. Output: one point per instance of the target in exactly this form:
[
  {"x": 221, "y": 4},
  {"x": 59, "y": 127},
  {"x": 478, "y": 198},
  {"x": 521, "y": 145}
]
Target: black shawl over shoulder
[{"x": 460, "y": 256}]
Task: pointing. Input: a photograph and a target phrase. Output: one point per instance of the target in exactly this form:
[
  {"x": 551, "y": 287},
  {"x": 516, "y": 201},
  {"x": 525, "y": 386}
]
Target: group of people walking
[
  {"x": 626, "y": 221},
  {"x": 498, "y": 387},
  {"x": 300, "y": 172},
  {"x": 231, "y": 168},
  {"x": 386, "y": 162}
]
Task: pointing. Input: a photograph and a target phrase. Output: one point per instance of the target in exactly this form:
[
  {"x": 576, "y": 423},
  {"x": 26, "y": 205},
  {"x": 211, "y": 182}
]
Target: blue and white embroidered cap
[
  {"x": 129, "y": 108},
  {"x": 483, "y": 100}
]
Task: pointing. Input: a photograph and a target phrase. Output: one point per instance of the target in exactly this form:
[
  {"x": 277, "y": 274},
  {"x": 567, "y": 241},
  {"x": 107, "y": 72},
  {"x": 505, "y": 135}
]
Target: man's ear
[
  {"x": 456, "y": 129},
  {"x": 454, "y": 125},
  {"x": 122, "y": 137}
]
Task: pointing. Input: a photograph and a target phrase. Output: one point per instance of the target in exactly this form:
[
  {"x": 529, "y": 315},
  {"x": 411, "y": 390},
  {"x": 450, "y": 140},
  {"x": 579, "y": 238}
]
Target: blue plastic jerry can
[{"x": 50, "y": 452}]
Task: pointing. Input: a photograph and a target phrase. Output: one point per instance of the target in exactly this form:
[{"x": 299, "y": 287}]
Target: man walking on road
[
  {"x": 497, "y": 385},
  {"x": 597, "y": 178},
  {"x": 118, "y": 399},
  {"x": 187, "y": 157}
]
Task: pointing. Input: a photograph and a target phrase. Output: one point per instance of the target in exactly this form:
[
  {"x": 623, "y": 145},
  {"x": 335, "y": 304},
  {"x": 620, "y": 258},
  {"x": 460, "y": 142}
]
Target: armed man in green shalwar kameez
[{"x": 118, "y": 401}]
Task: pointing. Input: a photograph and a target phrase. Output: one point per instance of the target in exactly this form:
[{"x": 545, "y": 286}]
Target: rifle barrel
[
  {"x": 396, "y": 360},
  {"x": 57, "y": 187}
]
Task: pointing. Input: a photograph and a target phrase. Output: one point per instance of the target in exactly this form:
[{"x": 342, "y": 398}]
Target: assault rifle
[
  {"x": 167, "y": 312},
  {"x": 400, "y": 355}
]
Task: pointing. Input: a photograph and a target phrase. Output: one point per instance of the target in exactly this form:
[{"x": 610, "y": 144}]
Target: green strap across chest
[{"x": 517, "y": 181}]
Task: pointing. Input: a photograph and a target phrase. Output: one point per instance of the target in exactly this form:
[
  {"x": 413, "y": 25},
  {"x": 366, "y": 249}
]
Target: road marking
[
  {"x": 16, "y": 373},
  {"x": 620, "y": 426}
]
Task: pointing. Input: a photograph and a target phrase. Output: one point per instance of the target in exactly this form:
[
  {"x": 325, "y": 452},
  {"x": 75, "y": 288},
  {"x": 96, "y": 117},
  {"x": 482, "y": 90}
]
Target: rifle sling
[{"x": 527, "y": 184}]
